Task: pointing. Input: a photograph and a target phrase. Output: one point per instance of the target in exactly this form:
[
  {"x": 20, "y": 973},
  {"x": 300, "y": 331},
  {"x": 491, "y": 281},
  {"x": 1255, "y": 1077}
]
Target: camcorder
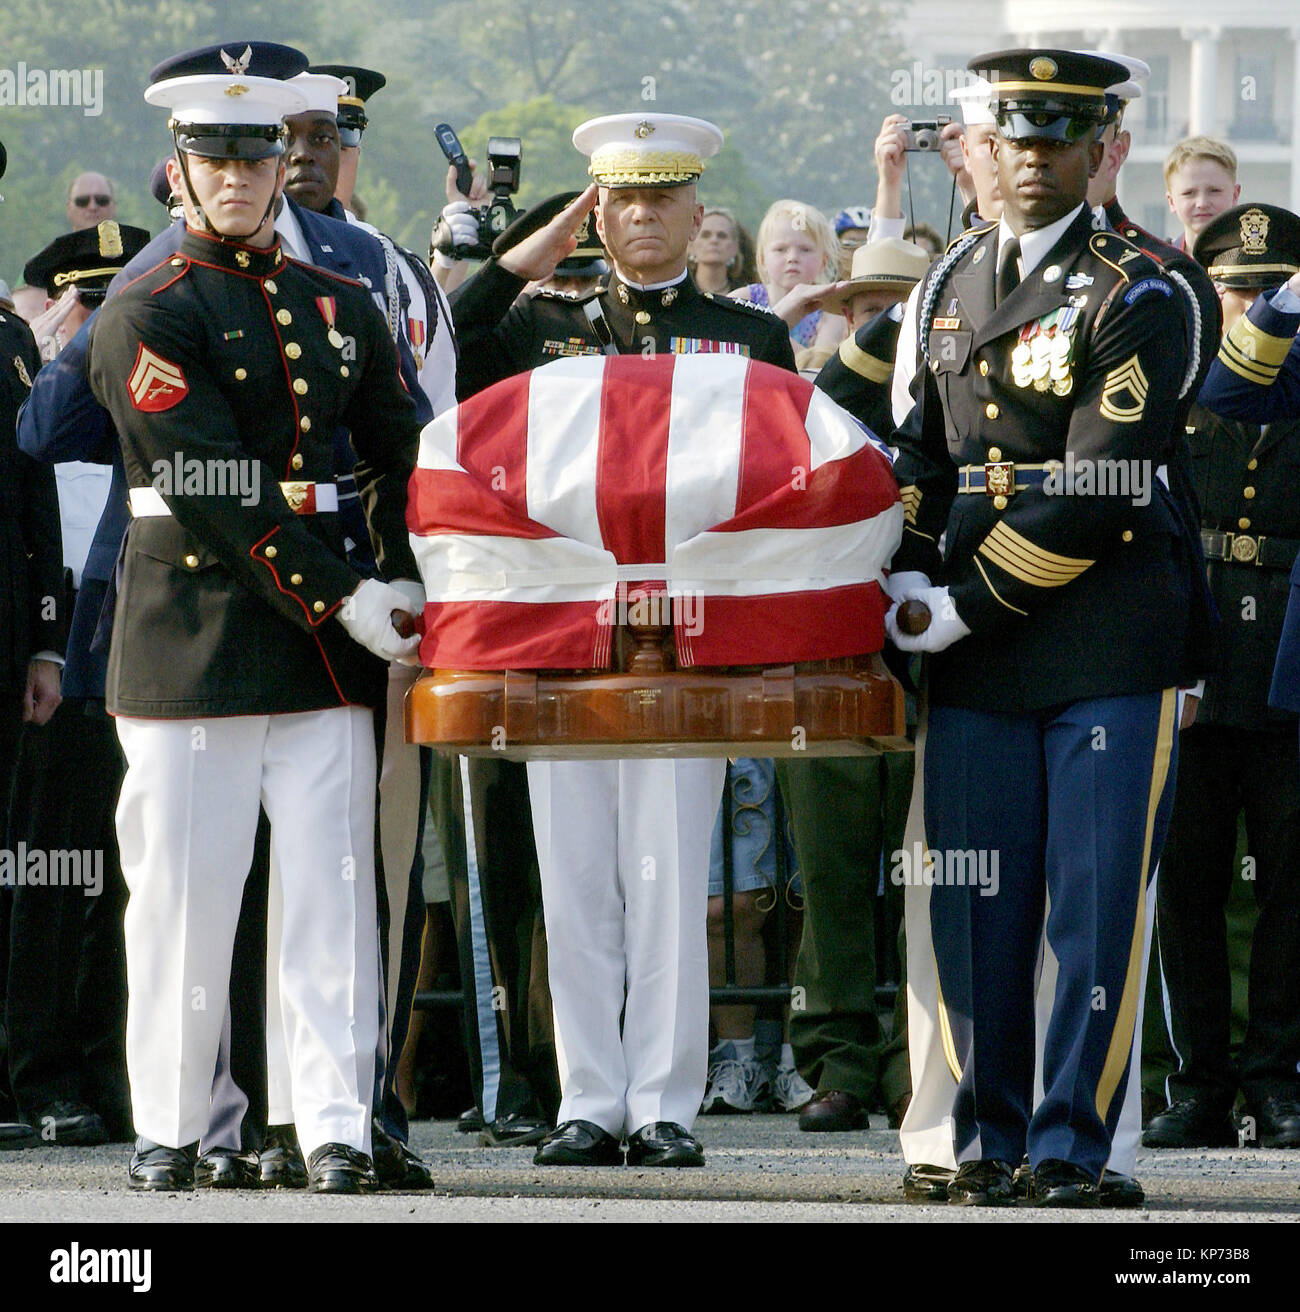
[
  {"x": 504, "y": 157},
  {"x": 924, "y": 134}
]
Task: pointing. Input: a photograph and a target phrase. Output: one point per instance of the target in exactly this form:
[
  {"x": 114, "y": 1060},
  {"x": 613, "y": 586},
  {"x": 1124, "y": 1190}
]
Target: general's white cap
[
  {"x": 974, "y": 100},
  {"x": 647, "y": 150},
  {"x": 322, "y": 91}
]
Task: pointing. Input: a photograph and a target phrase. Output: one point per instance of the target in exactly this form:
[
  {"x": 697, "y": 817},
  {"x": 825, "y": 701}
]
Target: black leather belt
[{"x": 1243, "y": 549}]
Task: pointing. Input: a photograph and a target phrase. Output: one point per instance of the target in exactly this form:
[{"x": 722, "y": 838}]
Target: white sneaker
[
  {"x": 735, "y": 1084},
  {"x": 792, "y": 1091}
]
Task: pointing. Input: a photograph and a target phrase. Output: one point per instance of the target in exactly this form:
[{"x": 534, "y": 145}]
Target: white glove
[
  {"x": 457, "y": 228},
  {"x": 903, "y": 587},
  {"x": 367, "y": 616},
  {"x": 414, "y": 594},
  {"x": 946, "y": 626}
]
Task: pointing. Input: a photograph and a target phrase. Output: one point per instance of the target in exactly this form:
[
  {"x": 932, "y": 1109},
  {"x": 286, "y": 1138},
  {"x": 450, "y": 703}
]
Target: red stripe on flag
[
  {"x": 632, "y": 464},
  {"x": 499, "y": 635},
  {"x": 791, "y": 626},
  {"x": 773, "y": 443},
  {"x": 492, "y": 439},
  {"x": 844, "y": 491},
  {"x": 449, "y": 501}
]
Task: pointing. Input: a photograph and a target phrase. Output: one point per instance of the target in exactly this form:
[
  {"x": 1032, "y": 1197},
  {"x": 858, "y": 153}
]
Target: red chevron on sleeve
[{"x": 156, "y": 384}]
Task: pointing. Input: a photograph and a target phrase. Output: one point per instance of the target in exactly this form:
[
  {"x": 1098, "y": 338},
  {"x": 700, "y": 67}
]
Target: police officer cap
[
  {"x": 87, "y": 260},
  {"x": 647, "y": 150},
  {"x": 362, "y": 83},
  {"x": 530, "y": 220},
  {"x": 1250, "y": 246},
  {"x": 1058, "y": 95}
]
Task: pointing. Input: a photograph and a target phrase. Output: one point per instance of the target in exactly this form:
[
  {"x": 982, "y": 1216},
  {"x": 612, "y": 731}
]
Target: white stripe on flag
[
  {"x": 438, "y": 442},
  {"x": 563, "y": 445},
  {"x": 763, "y": 560},
  {"x": 479, "y": 567},
  {"x": 833, "y": 433},
  {"x": 704, "y": 440}
]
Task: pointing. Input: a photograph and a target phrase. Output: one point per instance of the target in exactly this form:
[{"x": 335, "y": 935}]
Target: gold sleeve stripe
[
  {"x": 910, "y": 528},
  {"x": 1001, "y": 550},
  {"x": 1125, "y": 379},
  {"x": 1256, "y": 345},
  {"x": 1247, "y": 367},
  {"x": 911, "y": 498},
  {"x": 1121, "y": 1037},
  {"x": 865, "y": 365},
  {"x": 989, "y": 584},
  {"x": 1018, "y": 568},
  {"x": 1004, "y": 534}
]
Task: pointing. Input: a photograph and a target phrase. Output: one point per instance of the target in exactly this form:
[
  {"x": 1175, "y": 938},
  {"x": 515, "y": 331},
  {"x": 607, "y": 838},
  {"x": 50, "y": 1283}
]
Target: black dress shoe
[
  {"x": 1191, "y": 1123},
  {"x": 923, "y": 1183},
  {"x": 514, "y": 1130},
  {"x": 1022, "y": 1180},
  {"x": 164, "y": 1169},
  {"x": 280, "y": 1161},
  {"x": 833, "y": 1111},
  {"x": 1277, "y": 1121},
  {"x": 579, "y": 1143},
  {"x": 224, "y": 1168},
  {"x": 336, "y": 1168},
  {"x": 1062, "y": 1184},
  {"x": 470, "y": 1122},
  {"x": 982, "y": 1184},
  {"x": 18, "y": 1134},
  {"x": 395, "y": 1164},
  {"x": 68, "y": 1124},
  {"x": 1117, "y": 1190},
  {"x": 664, "y": 1143}
]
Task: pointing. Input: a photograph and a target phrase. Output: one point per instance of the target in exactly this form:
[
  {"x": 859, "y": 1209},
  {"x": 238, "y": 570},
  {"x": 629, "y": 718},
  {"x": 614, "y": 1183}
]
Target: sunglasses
[{"x": 82, "y": 201}]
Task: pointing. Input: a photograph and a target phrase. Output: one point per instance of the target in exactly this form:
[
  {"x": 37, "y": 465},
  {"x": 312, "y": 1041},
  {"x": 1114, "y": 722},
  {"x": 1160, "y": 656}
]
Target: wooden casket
[{"x": 786, "y": 660}]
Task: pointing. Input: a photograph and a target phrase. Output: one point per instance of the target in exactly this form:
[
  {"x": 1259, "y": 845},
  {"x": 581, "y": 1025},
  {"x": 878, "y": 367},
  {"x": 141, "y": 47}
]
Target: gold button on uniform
[
  {"x": 295, "y": 579},
  {"x": 192, "y": 561},
  {"x": 318, "y": 606},
  {"x": 1248, "y": 492},
  {"x": 995, "y": 453},
  {"x": 270, "y": 286},
  {"x": 1243, "y": 523},
  {"x": 991, "y": 410},
  {"x": 1127, "y": 535},
  {"x": 271, "y": 553},
  {"x": 999, "y": 502},
  {"x": 300, "y": 386},
  {"x": 1252, "y": 464},
  {"x": 642, "y": 316},
  {"x": 283, "y": 316},
  {"x": 305, "y": 424},
  {"x": 240, "y": 375},
  {"x": 343, "y": 369},
  {"x": 177, "y": 261},
  {"x": 293, "y": 350},
  {"x": 296, "y": 462},
  {"x": 984, "y": 368}
]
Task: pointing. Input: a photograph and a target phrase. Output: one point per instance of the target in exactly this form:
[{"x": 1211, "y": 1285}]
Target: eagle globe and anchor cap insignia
[
  {"x": 156, "y": 383},
  {"x": 643, "y": 129},
  {"x": 1254, "y": 232}
]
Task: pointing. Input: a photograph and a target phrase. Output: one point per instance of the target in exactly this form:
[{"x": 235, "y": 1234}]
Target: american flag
[{"x": 766, "y": 511}]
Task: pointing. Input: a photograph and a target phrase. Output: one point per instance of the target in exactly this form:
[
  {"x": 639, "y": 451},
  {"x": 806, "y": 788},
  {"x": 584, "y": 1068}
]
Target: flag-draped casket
[{"x": 546, "y": 509}]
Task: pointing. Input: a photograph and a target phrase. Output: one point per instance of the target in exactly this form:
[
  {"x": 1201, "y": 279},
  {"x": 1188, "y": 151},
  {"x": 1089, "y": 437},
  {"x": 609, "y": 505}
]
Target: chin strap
[{"x": 203, "y": 218}]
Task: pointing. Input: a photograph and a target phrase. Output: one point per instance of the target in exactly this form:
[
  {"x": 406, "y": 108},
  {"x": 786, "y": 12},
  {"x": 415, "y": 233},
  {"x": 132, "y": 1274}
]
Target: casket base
[{"x": 849, "y": 707}]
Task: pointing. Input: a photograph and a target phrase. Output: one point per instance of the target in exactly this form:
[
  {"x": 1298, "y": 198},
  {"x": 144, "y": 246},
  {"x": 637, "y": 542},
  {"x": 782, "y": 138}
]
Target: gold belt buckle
[
  {"x": 999, "y": 478},
  {"x": 296, "y": 494},
  {"x": 1244, "y": 548}
]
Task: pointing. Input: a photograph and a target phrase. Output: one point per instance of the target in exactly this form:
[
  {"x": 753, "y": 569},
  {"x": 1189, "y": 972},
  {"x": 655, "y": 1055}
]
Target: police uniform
[
  {"x": 234, "y": 671},
  {"x": 1240, "y": 756},
  {"x": 502, "y": 334},
  {"x": 594, "y": 821},
  {"x": 1058, "y": 635}
]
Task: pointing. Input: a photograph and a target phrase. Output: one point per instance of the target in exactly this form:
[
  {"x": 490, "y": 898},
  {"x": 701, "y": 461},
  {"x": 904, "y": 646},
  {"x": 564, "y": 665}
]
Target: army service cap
[
  {"x": 1054, "y": 95},
  {"x": 647, "y": 150},
  {"x": 1250, "y": 246},
  {"x": 362, "y": 83}
]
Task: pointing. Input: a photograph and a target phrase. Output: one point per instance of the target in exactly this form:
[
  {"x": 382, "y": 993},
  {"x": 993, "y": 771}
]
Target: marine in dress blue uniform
[{"x": 1060, "y": 611}]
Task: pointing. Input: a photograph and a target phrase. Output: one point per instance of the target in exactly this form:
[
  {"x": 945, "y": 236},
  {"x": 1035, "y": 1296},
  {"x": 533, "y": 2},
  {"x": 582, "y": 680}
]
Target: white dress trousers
[
  {"x": 186, "y": 821},
  {"x": 623, "y": 849}
]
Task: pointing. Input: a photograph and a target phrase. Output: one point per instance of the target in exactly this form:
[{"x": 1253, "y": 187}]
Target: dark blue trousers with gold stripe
[{"x": 1071, "y": 805}]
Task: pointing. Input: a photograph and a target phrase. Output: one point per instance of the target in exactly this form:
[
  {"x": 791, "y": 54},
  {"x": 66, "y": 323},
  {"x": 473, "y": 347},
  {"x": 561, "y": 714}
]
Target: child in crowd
[{"x": 1200, "y": 183}]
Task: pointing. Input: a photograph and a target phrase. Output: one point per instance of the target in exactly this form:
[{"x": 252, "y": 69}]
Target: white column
[{"x": 1202, "y": 90}]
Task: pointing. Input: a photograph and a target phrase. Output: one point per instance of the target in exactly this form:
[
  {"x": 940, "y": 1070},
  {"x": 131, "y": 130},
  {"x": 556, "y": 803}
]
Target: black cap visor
[
  {"x": 230, "y": 140},
  {"x": 1050, "y": 121}
]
